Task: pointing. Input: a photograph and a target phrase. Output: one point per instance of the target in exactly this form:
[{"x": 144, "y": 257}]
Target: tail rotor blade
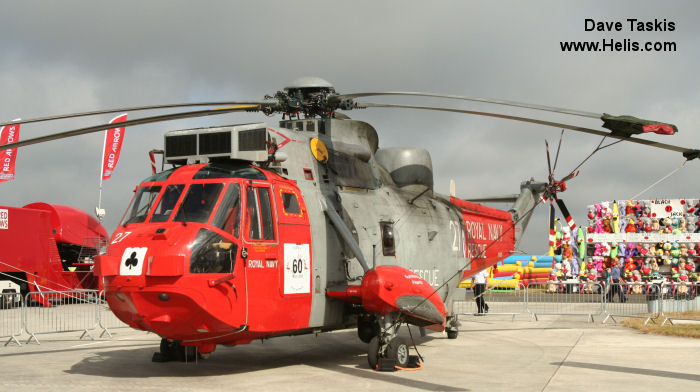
[
  {"x": 556, "y": 158},
  {"x": 552, "y": 233},
  {"x": 570, "y": 176},
  {"x": 567, "y": 215},
  {"x": 549, "y": 163}
]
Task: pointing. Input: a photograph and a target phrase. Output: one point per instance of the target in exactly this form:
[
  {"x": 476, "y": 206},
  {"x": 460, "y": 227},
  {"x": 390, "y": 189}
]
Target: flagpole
[{"x": 98, "y": 211}]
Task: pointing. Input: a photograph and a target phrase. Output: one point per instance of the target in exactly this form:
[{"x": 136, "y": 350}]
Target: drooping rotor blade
[
  {"x": 688, "y": 153},
  {"x": 556, "y": 157},
  {"x": 475, "y": 99},
  {"x": 138, "y": 121},
  {"x": 495, "y": 199},
  {"x": 567, "y": 215},
  {"x": 134, "y": 109}
]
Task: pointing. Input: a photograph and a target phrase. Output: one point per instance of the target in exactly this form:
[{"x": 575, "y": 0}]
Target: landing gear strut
[
  {"x": 172, "y": 350},
  {"x": 387, "y": 345},
  {"x": 452, "y": 327}
]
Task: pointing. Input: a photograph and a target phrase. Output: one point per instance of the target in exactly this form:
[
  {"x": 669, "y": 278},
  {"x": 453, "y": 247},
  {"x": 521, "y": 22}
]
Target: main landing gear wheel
[
  {"x": 373, "y": 352},
  {"x": 398, "y": 351}
]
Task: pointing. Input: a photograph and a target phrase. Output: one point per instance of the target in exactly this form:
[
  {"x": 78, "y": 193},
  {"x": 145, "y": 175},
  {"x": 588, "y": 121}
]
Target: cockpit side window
[
  {"x": 142, "y": 203},
  {"x": 266, "y": 212},
  {"x": 167, "y": 203},
  {"x": 260, "y": 223},
  {"x": 199, "y": 202},
  {"x": 227, "y": 216},
  {"x": 252, "y": 215}
]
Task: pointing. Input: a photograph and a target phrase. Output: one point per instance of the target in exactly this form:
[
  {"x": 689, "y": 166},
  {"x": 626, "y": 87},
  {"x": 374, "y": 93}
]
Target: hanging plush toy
[
  {"x": 655, "y": 226},
  {"x": 638, "y": 209},
  {"x": 682, "y": 228},
  {"x": 668, "y": 226},
  {"x": 615, "y": 218},
  {"x": 606, "y": 212},
  {"x": 599, "y": 226},
  {"x": 598, "y": 210},
  {"x": 598, "y": 251},
  {"x": 581, "y": 242},
  {"x": 623, "y": 224},
  {"x": 591, "y": 212},
  {"x": 675, "y": 249},
  {"x": 607, "y": 227},
  {"x": 631, "y": 226},
  {"x": 613, "y": 250},
  {"x": 622, "y": 250},
  {"x": 629, "y": 209}
]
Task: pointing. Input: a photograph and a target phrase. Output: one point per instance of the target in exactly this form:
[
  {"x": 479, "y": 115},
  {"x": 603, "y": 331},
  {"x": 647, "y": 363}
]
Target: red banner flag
[
  {"x": 112, "y": 147},
  {"x": 8, "y": 134},
  {"x": 152, "y": 156}
]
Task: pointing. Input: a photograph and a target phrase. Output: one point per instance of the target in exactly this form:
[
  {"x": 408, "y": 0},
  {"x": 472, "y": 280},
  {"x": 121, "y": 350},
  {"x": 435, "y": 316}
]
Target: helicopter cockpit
[{"x": 208, "y": 195}]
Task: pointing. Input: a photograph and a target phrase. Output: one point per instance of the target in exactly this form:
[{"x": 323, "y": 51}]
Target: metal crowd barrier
[
  {"x": 11, "y": 325},
  {"x": 565, "y": 298},
  {"x": 501, "y": 299},
  {"x": 680, "y": 301},
  {"x": 641, "y": 300},
  {"x": 107, "y": 319},
  {"x": 71, "y": 311}
]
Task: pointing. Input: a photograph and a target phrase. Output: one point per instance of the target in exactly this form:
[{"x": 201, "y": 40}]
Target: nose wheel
[{"x": 387, "y": 345}]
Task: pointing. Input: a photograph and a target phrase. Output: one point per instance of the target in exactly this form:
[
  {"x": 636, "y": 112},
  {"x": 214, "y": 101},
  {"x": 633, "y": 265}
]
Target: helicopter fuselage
[{"x": 228, "y": 252}]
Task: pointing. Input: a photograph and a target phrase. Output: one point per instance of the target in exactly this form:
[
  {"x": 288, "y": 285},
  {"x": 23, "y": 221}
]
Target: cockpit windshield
[
  {"x": 227, "y": 217},
  {"x": 141, "y": 204},
  {"x": 167, "y": 203},
  {"x": 198, "y": 203}
]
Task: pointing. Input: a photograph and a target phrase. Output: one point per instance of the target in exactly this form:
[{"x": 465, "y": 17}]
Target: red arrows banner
[
  {"x": 8, "y": 134},
  {"x": 112, "y": 147}
]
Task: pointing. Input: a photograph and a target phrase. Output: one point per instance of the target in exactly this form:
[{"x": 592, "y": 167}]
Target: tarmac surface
[{"x": 491, "y": 353}]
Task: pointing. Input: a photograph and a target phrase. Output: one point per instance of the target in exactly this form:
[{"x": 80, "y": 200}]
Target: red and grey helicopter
[{"x": 260, "y": 231}]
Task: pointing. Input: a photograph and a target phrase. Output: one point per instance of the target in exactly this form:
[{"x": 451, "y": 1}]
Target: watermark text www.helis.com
[{"x": 637, "y": 27}]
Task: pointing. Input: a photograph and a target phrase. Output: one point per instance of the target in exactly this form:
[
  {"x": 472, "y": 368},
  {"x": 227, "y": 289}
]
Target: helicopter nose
[{"x": 173, "y": 314}]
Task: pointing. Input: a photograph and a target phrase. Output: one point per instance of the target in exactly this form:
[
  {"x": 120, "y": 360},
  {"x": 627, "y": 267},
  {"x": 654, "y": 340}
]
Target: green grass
[{"x": 681, "y": 330}]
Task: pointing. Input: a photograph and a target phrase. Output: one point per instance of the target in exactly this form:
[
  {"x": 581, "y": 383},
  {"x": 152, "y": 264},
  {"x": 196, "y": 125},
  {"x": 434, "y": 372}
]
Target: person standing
[
  {"x": 616, "y": 283},
  {"x": 479, "y": 285}
]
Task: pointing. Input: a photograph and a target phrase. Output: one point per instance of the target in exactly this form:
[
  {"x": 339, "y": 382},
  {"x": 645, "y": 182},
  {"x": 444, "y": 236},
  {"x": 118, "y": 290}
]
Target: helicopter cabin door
[
  {"x": 296, "y": 273},
  {"x": 275, "y": 292}
]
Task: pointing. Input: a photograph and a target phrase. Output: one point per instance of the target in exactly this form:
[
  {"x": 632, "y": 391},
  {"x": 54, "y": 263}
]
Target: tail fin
[{"x": 521, "y": 211}]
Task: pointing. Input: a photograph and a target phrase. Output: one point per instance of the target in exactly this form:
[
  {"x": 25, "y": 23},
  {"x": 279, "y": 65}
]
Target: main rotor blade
[
  {"x": 477, "y": 99},
  {"x": 133, "y": 109},
  {"x": 688, "y": 153},
  {"x": 138, "y": 121}
]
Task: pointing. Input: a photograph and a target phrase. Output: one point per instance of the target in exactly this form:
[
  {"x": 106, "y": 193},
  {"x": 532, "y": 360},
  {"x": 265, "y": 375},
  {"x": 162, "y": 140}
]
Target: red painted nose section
[{"x": 174, "y": 314}]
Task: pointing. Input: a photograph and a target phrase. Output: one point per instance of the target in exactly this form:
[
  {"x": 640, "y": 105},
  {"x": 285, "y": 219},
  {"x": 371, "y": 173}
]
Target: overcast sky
[{"x": 72, "y": 56}]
